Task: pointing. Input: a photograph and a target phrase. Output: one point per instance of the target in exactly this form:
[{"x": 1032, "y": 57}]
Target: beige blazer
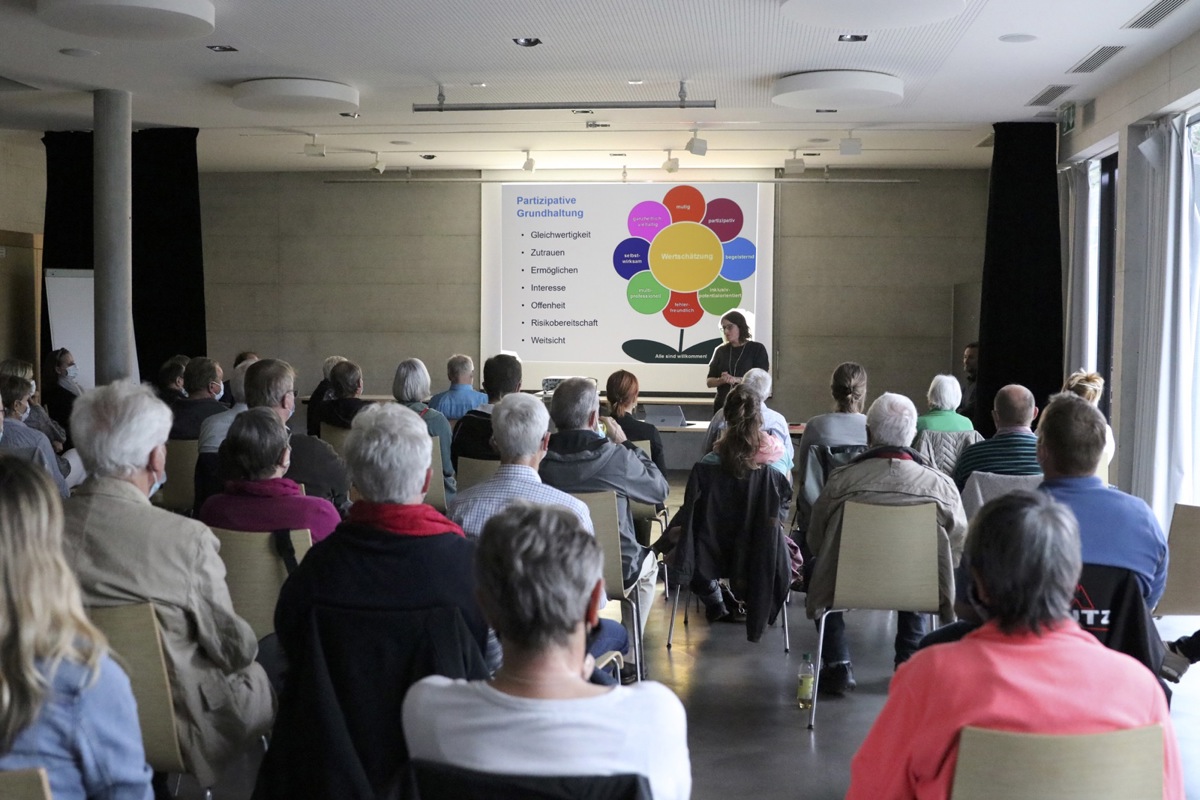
[{"x": 124, "y": 550}]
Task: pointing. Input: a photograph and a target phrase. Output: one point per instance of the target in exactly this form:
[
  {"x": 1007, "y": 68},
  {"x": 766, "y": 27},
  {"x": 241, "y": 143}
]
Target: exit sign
[{"x": 1066, "y": 118}]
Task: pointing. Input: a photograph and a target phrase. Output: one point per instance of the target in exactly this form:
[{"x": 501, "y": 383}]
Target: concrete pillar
[{"x": 112, "y": 218}]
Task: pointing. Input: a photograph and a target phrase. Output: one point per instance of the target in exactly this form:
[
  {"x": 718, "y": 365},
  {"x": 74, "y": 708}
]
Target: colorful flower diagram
[{"x": 683, "y": 259}]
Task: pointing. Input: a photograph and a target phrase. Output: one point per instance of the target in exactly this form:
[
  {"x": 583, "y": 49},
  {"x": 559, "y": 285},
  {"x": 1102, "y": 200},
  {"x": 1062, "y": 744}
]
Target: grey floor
[{"x": 746, "y": 735}]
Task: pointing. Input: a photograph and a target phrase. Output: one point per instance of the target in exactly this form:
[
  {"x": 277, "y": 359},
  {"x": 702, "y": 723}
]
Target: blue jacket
[{"x": 86, "y": 737}]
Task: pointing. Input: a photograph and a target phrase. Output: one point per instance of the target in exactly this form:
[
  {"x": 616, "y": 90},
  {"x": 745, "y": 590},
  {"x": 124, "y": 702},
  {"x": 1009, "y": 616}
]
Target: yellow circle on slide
[{"x": 686, "y": 256}]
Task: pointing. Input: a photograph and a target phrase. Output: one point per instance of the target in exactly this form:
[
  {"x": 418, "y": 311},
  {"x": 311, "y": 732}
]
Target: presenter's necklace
[{"x": 733, "y": 365}]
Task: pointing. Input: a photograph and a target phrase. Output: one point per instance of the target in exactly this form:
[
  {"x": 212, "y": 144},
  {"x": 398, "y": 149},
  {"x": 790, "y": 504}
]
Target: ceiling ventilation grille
[
  {"x": 1155, "y": 14},
  {"x": 1097, "y": 58},
  {"x": 1049, "y": 95},
  {"x": 987, "y": 141}
]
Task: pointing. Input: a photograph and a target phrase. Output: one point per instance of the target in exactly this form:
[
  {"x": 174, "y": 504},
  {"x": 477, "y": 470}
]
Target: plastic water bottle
[{"x": 805, "y": 681}]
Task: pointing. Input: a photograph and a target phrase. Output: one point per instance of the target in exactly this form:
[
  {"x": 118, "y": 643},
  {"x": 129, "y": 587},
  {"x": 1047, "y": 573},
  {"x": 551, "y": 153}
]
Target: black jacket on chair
[
  {"x": 1109, "y": 605},
  {"x": 338, "y": 733},
  {"x": 733, "y": 528}
]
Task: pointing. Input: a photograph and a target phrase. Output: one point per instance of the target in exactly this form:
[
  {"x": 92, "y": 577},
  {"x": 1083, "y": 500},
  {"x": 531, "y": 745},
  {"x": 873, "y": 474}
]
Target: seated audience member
[
  {"x": 68, "y": 460},
  {"x": 67, "y": 705},
  {"x": 744, "y": 442},
  {"x": 521, "y": 428},
  {"x": 124, "y": 550},
  {"x": 271, "y": 383},
  {"x": 539, "y": 576},
  {"x": 393, "y": 551},
  {"x": 346, "y": 378},
  {"x": 1029, "y": 669},
  {"x": 322, "y": 394},
  {"x": 473, "y": 432},
  {"x": 17, "y": 436},
  {"x": 241, "y": 358},
  {"x": 170, "y": 381},
  {"x": 1116, "y": 529},
  {"x": 410, "y": 387},
  {"x": 757, "y": 381},
  {"x": 847, "y": 424},
  {"x": 970, "y": 362},
  {"x": 890, "y": 473},
  {"x": 203, "y": 381},
  {"x": 944, "y": 396},
  {"x": 1089, "y": 386},
  {"x": 580, "y": 460},
  {"x": 622, "y": 393},
  {"x": 38, "y": 419},
  {"x": 254, "y": 458},
  {"x": 214, "y": 429},
  {"x": 461, "y": 397},
  {"x": 60, "y": 375},
  {"x": 1013, "y": 450}
]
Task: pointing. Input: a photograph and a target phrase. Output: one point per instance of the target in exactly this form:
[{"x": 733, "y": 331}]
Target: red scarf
[{"x": 417, "y": 519}]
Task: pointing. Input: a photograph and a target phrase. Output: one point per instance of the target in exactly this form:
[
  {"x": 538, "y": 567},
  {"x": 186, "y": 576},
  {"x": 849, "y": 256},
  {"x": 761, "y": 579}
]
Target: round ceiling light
[
  {"x": 837, "y": 89},
  {"x": 870, "y": 15},
  {"x": 295, "y": 95},
  {"x": 159, "y": 20}
]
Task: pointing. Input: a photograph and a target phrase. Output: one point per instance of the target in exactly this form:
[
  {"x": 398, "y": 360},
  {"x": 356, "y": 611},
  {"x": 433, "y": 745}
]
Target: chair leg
[
  {"x": 674, "y": 610},
  {"x": 666, "y": 580},
  {"x": 787, "y": 642},
  {"x": 639, "y": 643},
  {"x": 812, "y": 712}
]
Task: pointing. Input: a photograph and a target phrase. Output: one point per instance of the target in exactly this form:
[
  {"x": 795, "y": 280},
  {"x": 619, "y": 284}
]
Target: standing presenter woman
[{"x": 733, "y": 359}]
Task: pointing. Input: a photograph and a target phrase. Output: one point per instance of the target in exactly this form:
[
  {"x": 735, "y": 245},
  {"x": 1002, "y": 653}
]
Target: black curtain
[
  {"x": 168, "y": 258},
  {"x": 1021, "y": 315}
]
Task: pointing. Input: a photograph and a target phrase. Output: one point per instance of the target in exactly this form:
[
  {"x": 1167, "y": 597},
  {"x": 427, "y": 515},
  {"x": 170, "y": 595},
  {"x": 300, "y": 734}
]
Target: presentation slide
[{"x": 584, "y": 279}]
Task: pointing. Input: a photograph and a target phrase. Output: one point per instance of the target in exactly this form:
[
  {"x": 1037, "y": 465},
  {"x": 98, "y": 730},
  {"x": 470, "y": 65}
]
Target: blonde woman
[
  {"x": 65, "y": 705},
  {"x": 1089, "y": 386}
]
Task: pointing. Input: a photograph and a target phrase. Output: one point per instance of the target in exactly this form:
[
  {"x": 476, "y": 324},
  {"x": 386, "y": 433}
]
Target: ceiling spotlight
[
  {"x": 314, "y": 149},
  {"x": 635, "y": 81},
  {"x": 852, "y": 37},
  {"x": 529, "y": 164},
  {"x": 221, "y": 48},
  {"x": 850, "y": 146},
  {"x": 671, "y": 164},
  {"x": 428, "y": 156},
  {"x": 378, "y": 167},
  {"x": 349, "y": 114},
  {"x": 526, "y": 41},
  {"x": 696, "y": 146},
  {"x": 793, "y": 165}
]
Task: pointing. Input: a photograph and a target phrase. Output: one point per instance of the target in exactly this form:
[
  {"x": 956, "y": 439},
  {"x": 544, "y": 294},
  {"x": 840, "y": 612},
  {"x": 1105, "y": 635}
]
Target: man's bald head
[{"x": 1014, "y": 407}]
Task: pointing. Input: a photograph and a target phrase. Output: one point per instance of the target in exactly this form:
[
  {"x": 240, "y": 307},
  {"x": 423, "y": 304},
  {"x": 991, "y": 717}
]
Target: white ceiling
[{"x": 959, "y": 78}]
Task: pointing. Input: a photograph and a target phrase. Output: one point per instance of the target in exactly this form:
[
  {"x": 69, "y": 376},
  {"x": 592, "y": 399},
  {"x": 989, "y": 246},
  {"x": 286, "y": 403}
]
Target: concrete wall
[
  {"x": 301, "y": 269},
  {"x": 875, "y": 273},
  {"x": 22, "y": 182},
  {"x": 880, "y": 273}
]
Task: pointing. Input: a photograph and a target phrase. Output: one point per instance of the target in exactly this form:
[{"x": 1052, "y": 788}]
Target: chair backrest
[
  {"x": 888, "y": 558},
  {"x": 942, "y": 448},
  {"x": 473, "y": 471},
  {"x": 643, "y": 445},
  {"x": 25, "y": 784},
  {"x": 1001, "y": 764},
  {"x": 436, "y": 496},
  {"x": 254, "y": 572},
  {"x": 179, "y": 492},
  {"x": 133, "y": 633},
  {"x": 984, "y": 486},
  {"x": 1182, "y": 595},
  {"x": 445, "y": 782},
  {"x": 602, "y": 506},
  {"x": 335, "y": 436}
]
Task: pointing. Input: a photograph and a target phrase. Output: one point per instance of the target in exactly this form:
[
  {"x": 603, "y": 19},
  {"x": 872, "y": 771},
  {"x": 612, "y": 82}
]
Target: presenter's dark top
[{"x": 737, "y": 361}]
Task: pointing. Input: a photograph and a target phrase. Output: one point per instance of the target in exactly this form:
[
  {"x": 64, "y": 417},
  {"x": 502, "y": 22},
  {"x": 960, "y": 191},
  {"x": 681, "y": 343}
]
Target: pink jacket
[
  {"x": 1061, "y": 682},
  {"x": 268, "y": 505}
]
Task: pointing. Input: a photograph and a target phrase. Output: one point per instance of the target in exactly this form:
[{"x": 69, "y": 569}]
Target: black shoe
[
  {"x": 629, "y": 673},
  {"x": 837, "y": 679}
]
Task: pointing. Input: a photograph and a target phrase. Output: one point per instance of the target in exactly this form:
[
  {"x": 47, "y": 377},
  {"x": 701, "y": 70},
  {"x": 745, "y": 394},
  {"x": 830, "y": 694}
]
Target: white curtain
[
  {"x": 1165, "y": 464},
  {"x": 1078, "y": 198}
]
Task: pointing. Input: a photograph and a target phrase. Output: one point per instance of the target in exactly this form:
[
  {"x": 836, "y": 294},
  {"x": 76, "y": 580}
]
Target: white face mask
[
  {"x": 73, "y": 371},
  {"x": 24, "y": 414},
  {"x": 33, "y": 391},
  {"x": 220, "y": 393},
  {"x": 158, "y": 483}
]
